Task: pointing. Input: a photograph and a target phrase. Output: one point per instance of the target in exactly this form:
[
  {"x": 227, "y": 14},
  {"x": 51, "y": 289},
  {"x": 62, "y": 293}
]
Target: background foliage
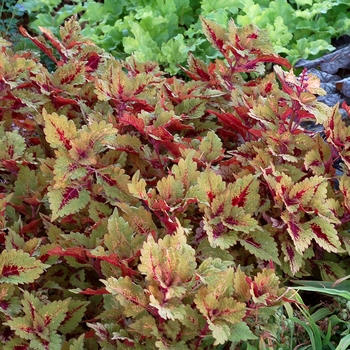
[{"x": 166, "y": 31}]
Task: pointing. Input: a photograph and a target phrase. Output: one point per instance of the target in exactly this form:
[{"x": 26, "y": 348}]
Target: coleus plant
[{"x": 145, "y": 211}]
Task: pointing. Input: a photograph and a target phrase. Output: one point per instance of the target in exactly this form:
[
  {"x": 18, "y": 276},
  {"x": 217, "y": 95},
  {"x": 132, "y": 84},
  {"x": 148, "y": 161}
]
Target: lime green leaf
[
  {"x": 220, "y": 331},
  {"x": 78, "y": 344},
  {"x": 210, "y": 148},
  {"x": 241, "y": 332},
  {"x": 145, "y": 325},
  {"x": 121, "y": 238},
  {"x": 139, "y": 218},
  {"x": 19, "y": 267},
  {"x": 170, "y": 309},
  {"x": 186, "y": 171},
  {"x": 170, "y": 190}
]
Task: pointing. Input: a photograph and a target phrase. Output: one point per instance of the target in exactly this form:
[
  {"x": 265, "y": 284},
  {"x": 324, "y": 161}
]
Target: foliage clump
[{"x": 140, "y": 210}]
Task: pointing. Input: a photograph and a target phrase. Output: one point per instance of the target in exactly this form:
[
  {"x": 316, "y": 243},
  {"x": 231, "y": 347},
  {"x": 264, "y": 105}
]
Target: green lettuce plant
[
  {"x": 166, "y": 31},
  {"x": 142, "y": 210}
]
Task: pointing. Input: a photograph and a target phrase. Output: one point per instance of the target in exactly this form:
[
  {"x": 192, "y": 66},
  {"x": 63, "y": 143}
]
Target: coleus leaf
[
  {"x": 121, "y": 238},
  {"x": 324, "y": 233},
  {"x": 297, "y": 231},
  {"x": 169, "y": 263},
  {"x": 265, "y": 288},
  {"x": 139, "y": 219},
  {"x": 309, "y": 194},
  {"x": 250, "y": 48},
  {"x": 243, "y": 193},
  {"x": 77, "y": 344},
  {"x": 39, "y": 43},
  {"x": 260, "y": 244},
  {"x": 344, "y": 187},
  {"x": 59, "y": 131},
  {"x": 191, "y": 108},
  {"x": 12, "y": 145},
  {"x": 70, "y": 76},
  {"x": 214, "y": 33},
  {"x": 75, "y": 313},
  {"x": 18, "y": 267},
  {"x": 67, "y": 170},
  {"x": 114, "y": 182},
  {"x": 318, "y": 159},
  {"x": 227, "y": 310},
  {"x": 130, "y": 295},
  {"x": 210, "y": 186},
  {"x": 241, "y": 332},
  {"x": 292, "y": 257},
  {"x": 41, "y": 321},
  {"x": 67, "y": 201},
  {"x": 186, "y": 171},
  {"x": 210, "y": 148},
  {"x": 145, "y": 325},
  {"x": 219, "y": 235},
  {"x": 17, "y": 343},
  {"x": 330, "y": 270},
  {"x": 338, "y": 134}
]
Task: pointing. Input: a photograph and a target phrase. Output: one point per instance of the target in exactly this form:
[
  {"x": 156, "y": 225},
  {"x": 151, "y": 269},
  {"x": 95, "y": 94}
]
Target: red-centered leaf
[
  {"x": 246, "y": 188},
  {"x": 198, "y": 69},
  {"x": 299, "y": 233},
  {"x": 159, "y": 133},
  {"x": 55, "y": 43},
  {"x": 46, "y": 49},
  {"x": 176, "y": 125},
  {"x": 10, "y": 270},
  {"x": 62, "y": 101},
  {"x": 330, "y": 270},
  {"x": 214, "y": 33},
  {"x": 137, "y": 123},
  {"x": 92, "y": 61},
  {"x": 59, "y": 130},
  {"x": 265, "y": 58},
  {"x": 114, "y": 260},
  {"x": 68, "y": 195},
  {"x": 229, "y": 120},
  {"x": 293, "y": 259},
  {"x": 90, "y": 291},
  {"x": 325, "y": 234},
  {"x": 79, "y": 253},
  {"x": 10, "y": 165},
  {"x": 31, "y": 227}
]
